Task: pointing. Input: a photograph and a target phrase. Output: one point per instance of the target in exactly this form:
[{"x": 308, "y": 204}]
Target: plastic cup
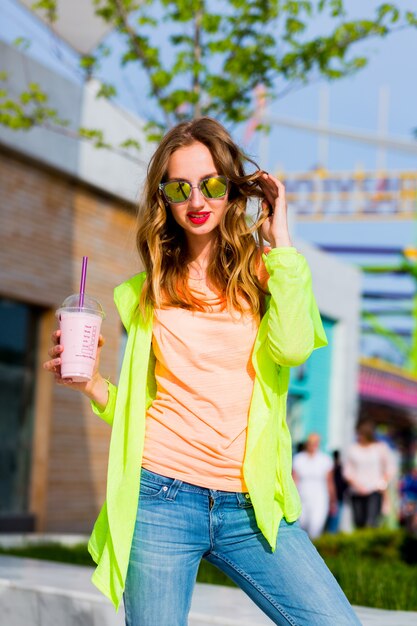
[{"x": 80, "y": 330}]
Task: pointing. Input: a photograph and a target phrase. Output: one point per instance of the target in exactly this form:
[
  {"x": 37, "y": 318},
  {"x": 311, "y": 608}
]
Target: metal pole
[
  {"x": 323, "y": 140},
  {"x": 389, "y": 142},
  {"x": 383, "y": 114}
]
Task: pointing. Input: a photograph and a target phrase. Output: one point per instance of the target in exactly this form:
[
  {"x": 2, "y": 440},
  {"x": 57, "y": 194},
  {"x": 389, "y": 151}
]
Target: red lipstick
[{"x": 198, "y": 218}]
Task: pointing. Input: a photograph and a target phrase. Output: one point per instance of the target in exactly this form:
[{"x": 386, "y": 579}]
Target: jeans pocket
[
  {"x": 150, "y": 489},
  {"x": 244, "y": 501}
]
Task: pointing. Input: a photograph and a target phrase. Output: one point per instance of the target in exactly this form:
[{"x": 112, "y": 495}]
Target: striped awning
[{"x": 387, "y": 384}]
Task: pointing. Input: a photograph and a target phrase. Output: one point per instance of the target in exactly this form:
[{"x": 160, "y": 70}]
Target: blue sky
[
  {"x": 353, "y": 104},
  {"x": 353, "y": 101}
]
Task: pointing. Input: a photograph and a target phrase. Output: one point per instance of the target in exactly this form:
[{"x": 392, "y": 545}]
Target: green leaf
[
  {"x": 388, "y": 10},
  {"x": 88, "y": 61},
  {"x": 336, "y": 7},
  {"x": 131, "y": 143},
  {"x": 22, "y": 43},
  {"x": 411, "y": 18},
  {"x": 176, "y": 40},
  {"x": 94, "y": 135},
  {"x": 48, "y": 7},
  {"x": 211, "y": 22},
  {"x": 161, "y": 78},
  {"x": 155, "y": 137},
  {"x": 106, "y": 91},
  {"x": 144, "y": 20},
  {"x": 33, "y": 94},
  {"x": 293, "y": 25},
  {"x": 90, "y": 133},
  {"x": 106, "y": 13}
]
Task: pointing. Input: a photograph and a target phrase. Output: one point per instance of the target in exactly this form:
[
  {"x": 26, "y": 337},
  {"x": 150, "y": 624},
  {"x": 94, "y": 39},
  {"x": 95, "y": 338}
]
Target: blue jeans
[{"x": 178, "y": 524}]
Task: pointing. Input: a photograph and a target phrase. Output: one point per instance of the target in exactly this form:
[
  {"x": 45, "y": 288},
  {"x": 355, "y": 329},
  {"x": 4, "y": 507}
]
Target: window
[
  {"x": 18, "y": 338},
  {"x": 295, "y": 407}
]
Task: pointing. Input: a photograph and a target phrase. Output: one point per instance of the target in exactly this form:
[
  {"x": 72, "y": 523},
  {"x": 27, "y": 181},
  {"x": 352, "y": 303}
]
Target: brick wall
[{"x": 47, "y": 223}]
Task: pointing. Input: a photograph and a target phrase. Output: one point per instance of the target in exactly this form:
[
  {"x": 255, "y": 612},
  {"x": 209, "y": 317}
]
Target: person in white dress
[{"x": 313, "y": 475}]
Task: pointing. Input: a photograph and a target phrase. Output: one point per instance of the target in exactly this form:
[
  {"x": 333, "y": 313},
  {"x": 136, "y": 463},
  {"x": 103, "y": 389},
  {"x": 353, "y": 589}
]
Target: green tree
[{"x": 219, "y": 52}]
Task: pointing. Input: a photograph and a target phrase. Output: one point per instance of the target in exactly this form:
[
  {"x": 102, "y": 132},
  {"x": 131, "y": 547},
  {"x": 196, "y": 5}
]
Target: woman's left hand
[{"x": 275, "y": 228}]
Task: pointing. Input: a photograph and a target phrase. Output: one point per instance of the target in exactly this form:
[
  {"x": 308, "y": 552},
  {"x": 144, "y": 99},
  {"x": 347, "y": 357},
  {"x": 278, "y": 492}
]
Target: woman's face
[{"x": 198, "y": 216}]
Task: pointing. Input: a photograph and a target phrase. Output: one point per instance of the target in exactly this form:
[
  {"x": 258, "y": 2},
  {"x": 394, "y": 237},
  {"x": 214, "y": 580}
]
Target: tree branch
[
  {"x": 197, "y": 59},
  {"x": 74, "y": 134},
  {"x": 155, "y": 90}
]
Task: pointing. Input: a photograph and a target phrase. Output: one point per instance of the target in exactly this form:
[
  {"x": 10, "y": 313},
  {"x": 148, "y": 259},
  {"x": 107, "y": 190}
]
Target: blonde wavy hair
[{"x": 162, "y": 244}]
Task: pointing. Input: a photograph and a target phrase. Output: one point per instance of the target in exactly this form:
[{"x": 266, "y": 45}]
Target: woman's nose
[{"x": 196, "y": 198}]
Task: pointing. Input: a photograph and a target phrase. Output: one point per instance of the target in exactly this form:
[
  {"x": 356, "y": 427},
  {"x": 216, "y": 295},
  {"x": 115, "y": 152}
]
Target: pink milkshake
[{"x": 80, "y": 330}]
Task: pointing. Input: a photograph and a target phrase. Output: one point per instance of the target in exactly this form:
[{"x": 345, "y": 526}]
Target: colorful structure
[
  {"x": 386, "y": 384},
  {"x": 388, "y": 397}
]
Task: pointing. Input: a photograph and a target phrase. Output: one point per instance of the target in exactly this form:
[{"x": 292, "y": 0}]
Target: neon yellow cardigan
[{"x": 289, "y": 331}]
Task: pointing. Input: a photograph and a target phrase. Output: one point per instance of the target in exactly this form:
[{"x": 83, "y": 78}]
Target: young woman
[
  {"x": 368, "y": 470},
  {"x": 200, "y": 452}
]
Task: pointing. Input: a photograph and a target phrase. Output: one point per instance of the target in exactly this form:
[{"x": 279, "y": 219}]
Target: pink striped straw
[{"x": 83, "y": 279}]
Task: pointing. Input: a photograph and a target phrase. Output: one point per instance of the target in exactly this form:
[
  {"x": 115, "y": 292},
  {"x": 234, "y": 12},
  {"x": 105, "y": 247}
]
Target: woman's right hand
[{"x": 88, "y": 387}]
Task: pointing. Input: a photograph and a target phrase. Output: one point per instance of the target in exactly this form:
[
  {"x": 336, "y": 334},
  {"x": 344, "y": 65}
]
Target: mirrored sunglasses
[{"x": 180, "y": 190}]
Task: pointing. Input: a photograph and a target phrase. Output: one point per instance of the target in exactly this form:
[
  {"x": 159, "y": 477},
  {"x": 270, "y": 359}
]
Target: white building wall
[
  {"x": 105, "y": 168},
  {"x": 76, "y": 103}
]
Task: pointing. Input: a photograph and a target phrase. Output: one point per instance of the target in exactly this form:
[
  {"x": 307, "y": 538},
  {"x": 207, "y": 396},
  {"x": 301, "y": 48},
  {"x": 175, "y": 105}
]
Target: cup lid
[{"x": 91, "y": 305}]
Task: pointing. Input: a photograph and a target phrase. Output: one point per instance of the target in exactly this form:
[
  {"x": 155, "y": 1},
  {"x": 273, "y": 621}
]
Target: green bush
[
  {"x": 374, "y": 567},
  {"x": 76, "y": 555},
  {"x": 208, "y": 573},
  {"x": 408, "y": 549},
  {"x": 79, "y": 555},
  {"x": 372, "y": 542},
  {"x": 370, "y": 565},
  {"x": 377, "y": 583}
]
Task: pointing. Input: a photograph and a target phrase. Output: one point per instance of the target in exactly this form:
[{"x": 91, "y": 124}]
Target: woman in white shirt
[{"x": 368, "y": 470}]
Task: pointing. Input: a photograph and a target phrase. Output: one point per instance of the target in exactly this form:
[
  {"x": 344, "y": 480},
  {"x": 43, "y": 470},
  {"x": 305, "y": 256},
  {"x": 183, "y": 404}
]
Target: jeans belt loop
[{"x": 173, "y": 489}]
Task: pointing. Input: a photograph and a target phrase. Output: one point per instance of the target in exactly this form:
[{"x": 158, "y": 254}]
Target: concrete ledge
[
  {"x": 42, "y": 593},
  {"x": 17, "y": 540}
]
